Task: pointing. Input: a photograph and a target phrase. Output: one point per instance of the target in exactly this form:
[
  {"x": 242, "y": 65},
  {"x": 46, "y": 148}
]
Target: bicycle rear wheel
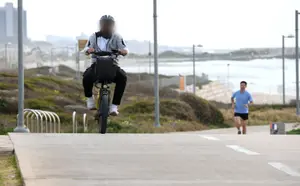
[{"x": 103, "y": 116}]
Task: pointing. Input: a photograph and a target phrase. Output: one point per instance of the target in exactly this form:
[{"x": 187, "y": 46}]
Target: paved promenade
[{"x": 210, "y": 158}]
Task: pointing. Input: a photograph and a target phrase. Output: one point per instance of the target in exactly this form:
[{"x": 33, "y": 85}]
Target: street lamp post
[
  {"x": 155, "y": 55},
  {"x": 51, "y": 58},
  {"x": 20, "y": 126},
  {"x": 297, "y": 62},
  {"x": 149, "y": 55},
  {"x": 283, "y": 66},
  {"x": 194, "y": 68},
  {"x": 5, "y": 55},
  {"x": 228, "y": 66}
]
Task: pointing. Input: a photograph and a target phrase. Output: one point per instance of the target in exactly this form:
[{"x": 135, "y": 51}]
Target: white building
[{"x": 9, "y": 24}]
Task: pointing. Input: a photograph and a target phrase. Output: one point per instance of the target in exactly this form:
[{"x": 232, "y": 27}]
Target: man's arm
[
  {"x": 232, "y": 99},
  {"x": 89, "y": 44},
  {"x": 122, "y": 45},
  {"x": 250, "y": 99}
]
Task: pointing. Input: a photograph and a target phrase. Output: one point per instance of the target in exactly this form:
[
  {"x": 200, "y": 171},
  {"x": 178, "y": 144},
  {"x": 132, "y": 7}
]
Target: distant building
[
  {"x": 9, "y": 24},
  {"x": 60, "y": 41}
]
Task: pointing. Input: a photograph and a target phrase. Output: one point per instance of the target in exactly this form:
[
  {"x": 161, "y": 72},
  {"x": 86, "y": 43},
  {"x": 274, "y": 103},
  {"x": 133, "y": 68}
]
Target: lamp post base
[{"x": 22, "y": 129}]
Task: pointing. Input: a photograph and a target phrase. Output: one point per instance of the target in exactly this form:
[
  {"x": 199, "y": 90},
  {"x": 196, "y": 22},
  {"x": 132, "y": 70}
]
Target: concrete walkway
[
  {"x": 6, "y": 146},
  {"x": 206, "y": 158}
]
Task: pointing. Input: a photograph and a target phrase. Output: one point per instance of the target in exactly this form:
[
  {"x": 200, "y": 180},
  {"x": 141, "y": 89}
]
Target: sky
[{"x": 218, "y": 24}]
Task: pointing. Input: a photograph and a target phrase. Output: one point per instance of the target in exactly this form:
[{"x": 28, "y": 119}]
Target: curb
[{"x": 6, "y": 146}]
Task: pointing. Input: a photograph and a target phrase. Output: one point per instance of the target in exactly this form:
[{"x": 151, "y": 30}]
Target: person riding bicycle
[{"x": 105, "y": 40}]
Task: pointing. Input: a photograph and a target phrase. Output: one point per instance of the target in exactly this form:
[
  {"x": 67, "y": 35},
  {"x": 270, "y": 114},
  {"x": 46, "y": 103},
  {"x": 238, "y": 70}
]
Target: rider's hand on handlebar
[
  {"x": 122, "y": 51},
  {"x": 91, "y": 50}
]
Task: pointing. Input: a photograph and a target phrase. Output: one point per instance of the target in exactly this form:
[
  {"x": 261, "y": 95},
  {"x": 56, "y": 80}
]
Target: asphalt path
[{"x": 212, "y": 158}]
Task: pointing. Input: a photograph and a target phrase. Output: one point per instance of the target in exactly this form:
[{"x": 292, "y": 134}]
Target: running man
[{"x": 240, "y": 101}]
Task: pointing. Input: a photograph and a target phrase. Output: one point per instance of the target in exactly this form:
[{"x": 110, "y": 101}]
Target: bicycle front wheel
[{"x": 103, "y": 116}]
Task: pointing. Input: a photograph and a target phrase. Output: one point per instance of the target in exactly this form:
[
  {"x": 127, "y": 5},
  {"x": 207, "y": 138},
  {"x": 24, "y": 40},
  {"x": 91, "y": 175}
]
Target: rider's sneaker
[
  {"x": 114, "y": 110},
  {"x": 90, "y": 103},
  {"x": 239, "y": 132}
]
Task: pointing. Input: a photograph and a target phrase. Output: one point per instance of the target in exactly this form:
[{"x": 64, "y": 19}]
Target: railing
[
  {"x": 40, "y": 121},
  {"x": 75, "y": 122}
]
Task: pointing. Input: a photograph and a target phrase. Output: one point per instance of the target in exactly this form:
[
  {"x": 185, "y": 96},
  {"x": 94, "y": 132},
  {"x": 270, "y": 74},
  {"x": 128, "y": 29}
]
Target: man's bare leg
[
  {"x": 244, "y": 126},
  {"x": 237, "y": 121}
]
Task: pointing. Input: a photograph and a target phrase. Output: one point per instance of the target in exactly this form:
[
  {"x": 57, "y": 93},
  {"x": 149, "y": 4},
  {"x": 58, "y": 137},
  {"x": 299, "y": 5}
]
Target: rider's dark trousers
[{"x": 120, "y": 80}]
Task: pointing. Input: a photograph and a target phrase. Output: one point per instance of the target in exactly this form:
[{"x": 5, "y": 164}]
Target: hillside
[
  {"x": 62, "y": 95},
  {"x": 179, "y": 112}
]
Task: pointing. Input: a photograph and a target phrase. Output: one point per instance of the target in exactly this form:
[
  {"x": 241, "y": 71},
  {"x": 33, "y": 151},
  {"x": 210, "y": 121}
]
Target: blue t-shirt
[{"x": 241, "y": 99}]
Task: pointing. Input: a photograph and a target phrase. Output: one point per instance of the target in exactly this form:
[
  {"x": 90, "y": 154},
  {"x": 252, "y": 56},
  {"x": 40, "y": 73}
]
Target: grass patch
[
  {"x": 6, "y": 86},
  {"x": 40, "y": 104},
  {"x": 8, "y": 75},
  {"x": 265, "y": 116},
  {"x": 295, "y": 131},
  {"x": 9, "y": 173}
]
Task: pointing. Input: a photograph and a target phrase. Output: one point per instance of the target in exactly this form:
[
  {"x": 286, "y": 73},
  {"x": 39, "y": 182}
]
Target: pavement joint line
[
  {"x": 284, "y": 168},
  {"x": 242, "y": 149},
  {"x": 210, "y": 137}
]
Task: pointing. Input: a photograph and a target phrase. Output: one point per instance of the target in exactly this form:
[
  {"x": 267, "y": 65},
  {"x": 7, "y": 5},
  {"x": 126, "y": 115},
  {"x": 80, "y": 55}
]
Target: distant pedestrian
[{"x": 240, "y": 101}]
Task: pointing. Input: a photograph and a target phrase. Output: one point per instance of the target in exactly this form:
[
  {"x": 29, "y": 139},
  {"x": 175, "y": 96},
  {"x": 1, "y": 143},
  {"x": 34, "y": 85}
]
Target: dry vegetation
[
  {"x": 179, "y": 112},
  {"x": 9, "y": 173}
]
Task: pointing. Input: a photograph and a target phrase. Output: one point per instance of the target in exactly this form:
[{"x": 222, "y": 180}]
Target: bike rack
[
  {"x": 85, "y": 123},
  {"x": 42, "y": 117},
  {"x": 75, "y": 122}
]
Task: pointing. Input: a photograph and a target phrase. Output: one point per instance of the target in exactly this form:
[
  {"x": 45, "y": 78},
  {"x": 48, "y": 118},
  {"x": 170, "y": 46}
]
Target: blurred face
[
  {"x": 107, "y": 26},
  {"x": 243, "y": 86}
]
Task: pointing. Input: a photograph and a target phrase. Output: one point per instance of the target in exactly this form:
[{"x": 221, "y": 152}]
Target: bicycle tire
[{"x": 103, "y": 116}]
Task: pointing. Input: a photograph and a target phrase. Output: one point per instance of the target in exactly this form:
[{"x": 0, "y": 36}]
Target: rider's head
[{"x": 107, "y": 24}]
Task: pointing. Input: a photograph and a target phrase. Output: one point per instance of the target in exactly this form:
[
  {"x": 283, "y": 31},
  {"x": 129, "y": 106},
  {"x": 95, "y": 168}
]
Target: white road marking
[
  {"x": 210, "y": 138},
  {"x": 242, "y": 149},
  {"x": 284, "y": 168}
]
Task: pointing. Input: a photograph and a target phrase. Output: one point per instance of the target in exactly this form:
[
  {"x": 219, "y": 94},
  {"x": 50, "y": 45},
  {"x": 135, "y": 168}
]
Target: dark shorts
[{"x": 244, "y": 116}]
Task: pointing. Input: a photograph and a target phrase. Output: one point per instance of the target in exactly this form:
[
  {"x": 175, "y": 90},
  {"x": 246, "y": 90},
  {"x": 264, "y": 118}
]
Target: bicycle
[{"x": 105, "y": 70}]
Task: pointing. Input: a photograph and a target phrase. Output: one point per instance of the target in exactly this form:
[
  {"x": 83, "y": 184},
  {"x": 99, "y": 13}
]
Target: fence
[
  {"x": 39, "y": 121},
  {"x": 75, "y": 122}
]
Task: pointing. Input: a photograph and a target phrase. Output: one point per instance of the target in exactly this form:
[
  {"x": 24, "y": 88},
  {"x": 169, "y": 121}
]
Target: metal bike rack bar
[
  {"x": 85, "y": 123},
  {"x": 75, "y": 122},
  {"x": 41, "y": 116}
]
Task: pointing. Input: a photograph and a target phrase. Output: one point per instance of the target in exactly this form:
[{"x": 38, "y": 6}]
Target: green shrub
[
  {"x": 6, "y": 86},
  {"x": 173, "y": 108},
  {"x": 5, "y": 130},
  {"x": 3, "y": 104},
  {"x": 295, "y": 131},
  {"x": 40, "y": 104},
  {"x": 9, "y": 75},
  {"x": 204, "y": 111},
  {"x": 8, "y": 106}
]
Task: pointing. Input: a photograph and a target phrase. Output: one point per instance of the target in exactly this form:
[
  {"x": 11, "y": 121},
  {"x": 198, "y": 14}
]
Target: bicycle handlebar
[{"x": 105, "y": 53}]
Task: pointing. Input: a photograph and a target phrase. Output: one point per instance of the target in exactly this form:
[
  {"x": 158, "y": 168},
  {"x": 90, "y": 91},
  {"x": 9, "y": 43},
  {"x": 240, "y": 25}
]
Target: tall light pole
[
  {"x": 283, "y": 66},
  {"x": 149, "y": 55},
  {"x": 297, "y": 62},
  {"x": 5, "y": 55},
  {"x": 20, "y": 127},
  {"x": 228, "y": 66},
  {"x": 194, "y": 68},
  {"x": 155, "y": 55}
]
